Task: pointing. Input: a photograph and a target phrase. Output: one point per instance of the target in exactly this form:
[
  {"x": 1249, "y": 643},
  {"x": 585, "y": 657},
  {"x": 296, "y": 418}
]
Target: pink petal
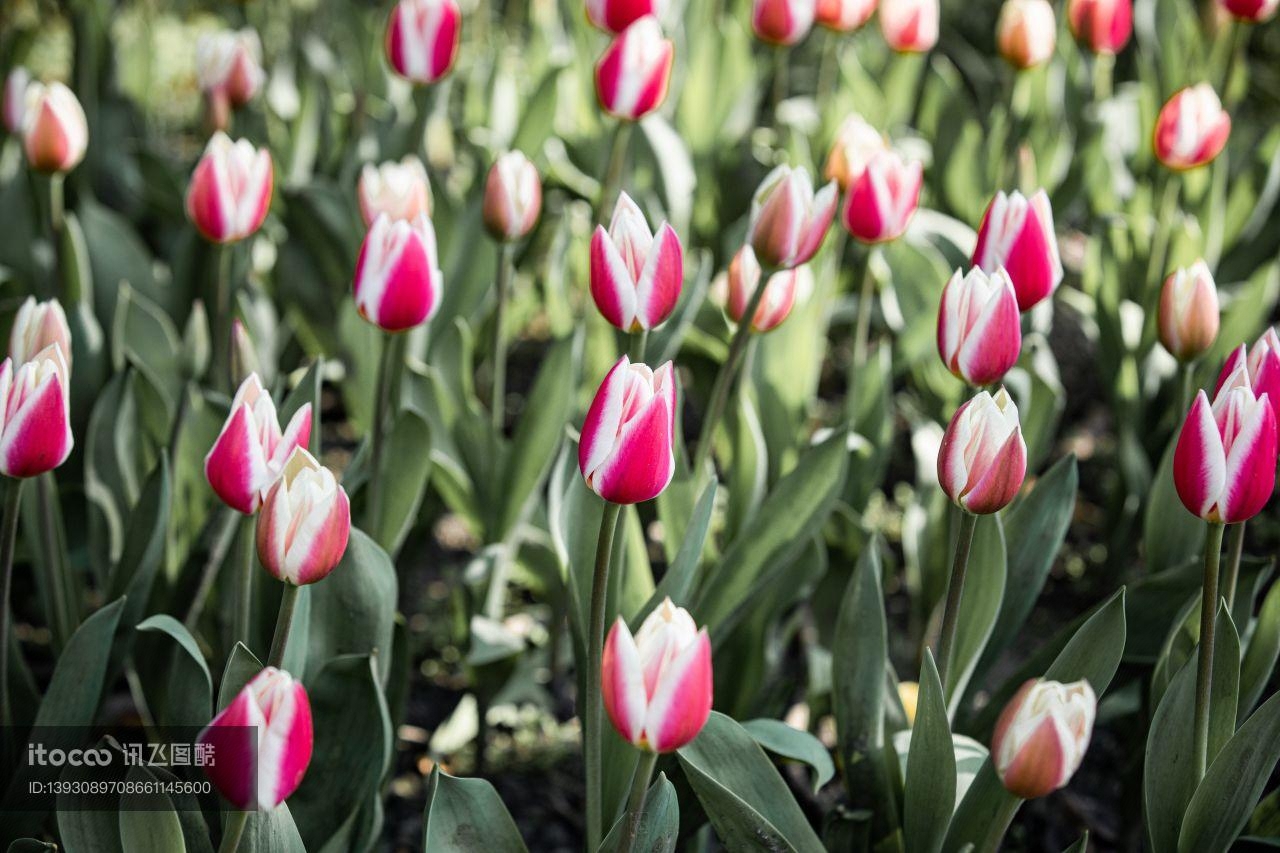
[
  {"x": 286, "y": 747},
  {"x": 317, "y": 558},
  {"x": 642, "y": 463},
  {"x": 680, "y": 706},
  {"x": 235, "y": 466},
  {"x": 1040, "y": 767},
  {"x": 1251, "y": 466},
  {"x": 661, "y": 280},
  {"x": 233, "y": 735},
  {"x": 994, "y": 342},
  {"x": 612, "y": 287},
  {"x": 1000, "y": 481},
  {"x": 1199, "y": 460},
  {"x": 622, "y": 683},
  {"x": 604, "y": 418}
]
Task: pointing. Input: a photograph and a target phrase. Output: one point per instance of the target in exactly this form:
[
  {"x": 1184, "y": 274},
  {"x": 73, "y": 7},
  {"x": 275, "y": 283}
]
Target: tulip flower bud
[
  {"x": 855, "y": 144},
  {"x": 261, "y": 742},
  {"x": 244, "y": 356},
  {"x": 1017, "y": 234},
  {"x": 909, "y": 26},
  {"x": 1192, "y": 128},
  {"x": 788, "y": 219},
  {"x": 1261, "y": 368},
  {"x": 229, "y": 69},
  {"x": 737, "y": 287},
  {"x": 230, "y": 190},
  {"x": 782, "y": 22},
  {"x": 844, "y": 16},
  {"x": 1224, "y": 465},
  {"x": 305, "y": 522},
  {"x": 38, "y": 325},
  {"x": 1042, "y": 735},
  {"x": 1188, "y": 320},
  {"x": 633, "y": 74},
  {"x": 1252, "y": 11},
  {"x": 422, "y": 39},
  {"x": 636, "y": 275},
  {"x": 15, "y": 98},
  {"x": 983, "y": 459},
  {"x": 625, "y": 453},
  {"x": 979, "y": 327},
  {"x": 398, "y": 278},
  {"x": 35, "y": 435},
  {"x": 512, "y": 197},
  {"x": 656, "y": 686},
  {"x": 614, "y": 16},
  {"x": 882, "y": 200},
  {"x": 55, "y": 132},
  {"x": 1103, "y": 25},
  {"x": 400, "y": 190},
  {"x": 251, "y": 450},
  {"x": 1026, "y": 32}
]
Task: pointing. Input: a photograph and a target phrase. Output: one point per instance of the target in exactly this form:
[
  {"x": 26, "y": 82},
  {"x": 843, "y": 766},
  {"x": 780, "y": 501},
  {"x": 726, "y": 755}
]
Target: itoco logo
[{"x": 39, "y": 756}]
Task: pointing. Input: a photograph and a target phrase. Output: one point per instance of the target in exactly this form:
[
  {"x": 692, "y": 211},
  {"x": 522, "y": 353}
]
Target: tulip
[
  {"x": 244, "y": 355},
  {"x": 230, "y": 190},
  {"x": 512, "y": 197},
  {"x": 398, "y": 278},
  {"x": 657, "y": 684},
  {"x": 788, "y": 219},
  {"x": 261, "y": 742},
  {"x": 844, "y": 16},
  {"x": 1224, "y": 465},
  {"x": 422, "y": 38},
  {"x": 1017, "y": 234},
  {"x": 882, "y": 200},
  {"x": 1188, "y": 319},
  {"x": 305, "y": 522},
  {"x": 636, "y": 275},
  {"x": 229, "y": 69},
  {"x": 1260, "y": 365},
  {"x": 909, "y": 26},
  {"x": 782, "y": 22},
  {"x": 855, "y": 144},
  {"x": 625, "y": 453},
  {"x": 35, "y": 435},
  {"x": 1103, "y": 25},
  {"x": 37, "y": 326},
  {"x": 400, "y": 190},
  {"x": 780, "y": 292},
  {"x": 15, "y": 98},
  {"x": 614, "y": 16},
  {"x": 1192, "y": 128},
  {"x": 55, "y": 132},
  {"x": 1253, "y": 11},
  {"x": 979, "y": 328},
  {"x": 1026, "y": 32},
  {"x": 251, "y": 450},
  {"x": 983, "y": 458},
  {"x": 633, "y": 74},
  {"x": 1042, "y": 735}
]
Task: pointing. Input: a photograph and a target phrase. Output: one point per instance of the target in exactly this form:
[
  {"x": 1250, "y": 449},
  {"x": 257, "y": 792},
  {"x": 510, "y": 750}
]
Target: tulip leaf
[
  {"x": 1170, "y": 534},
  {"x": 681, "y": 577},
  {"x": 1261, "y": 655},
  {"x": 83, "y": 825},
  {"x": 148, "y": 822},
  {"x": 796, "y": 745},
  {"x": 745, "y": 798},
  {"x": 184, "y": 697},
  {"x": 930, "y": 789},
  {"x": 242, "y": 666},
  {"x": 466, "y": 815},
  {"x": 748, "y": 473},
  {"x": 979, "y": 811},
  {"x": 143, "y": 335},
  {"x": 272, "y": 832},
  {"x": 306, "y": 391},
  {"x": 406, "y": 466},
  {"x": 1081, "y": 845},
  {"x": 144, "y": 542},
  {"x": 353, "y": 609},
  {"x": 659, "y": 822},
  {"x": 984, "y": 588},
  {"x": 31, "y": 845}
]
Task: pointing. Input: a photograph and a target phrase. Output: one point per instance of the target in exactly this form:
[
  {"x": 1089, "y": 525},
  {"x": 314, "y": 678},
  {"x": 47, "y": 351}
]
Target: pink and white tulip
[
  {"x": 983, "y": 459},
  {"x": 401, "y": 190},
  {"x": 422, "y": 39},
  {"x": 1042, "y": 736},
  {"x": 636, "y": 274},
  {"x": 512, "y": 197},
  {"x": 979, "y": 327},
  {"x": 1103, "y": 25},
  {"x": 230, "y": 190},
  {"x": 614, "y": 16},
  {"x": 1192, "y": 128},
  {"x": 55, "y": 132},
  {"x": 229, "y": 70},
  {"x": 657, "y": 685},
  {"x": 1188, "y": 316},
  {"x": 35, "y": 435},
  {"x": 1252, "y": 11},
  {"x": 36, "y": 326},
  {"x": 633, "y": 74},
  {"x": 780, "y": 292},
  {"x": 881, "y": 201},
  {"x": 788, "y": 219},
  {"x": 261, "y": 742},
  {"x": 1261, "y": 366},
  {"x": 305, "y": 522},
  {"x": 1017, "y": 234},
  {"x": 844, "y": 16},
  {"x": 15, "y": 98},
  {"x": 909, "y": 26},
  {"x": 855, "y": 144},
  {"x": 398, "y": 279},
  {"x": 782, "y": 22},
  {"x": 1026, "y": 32},
  {"x": 626, "y": 451},
  {"x": 251, "y": 450},
  {"x": 1224, "y": 465}
]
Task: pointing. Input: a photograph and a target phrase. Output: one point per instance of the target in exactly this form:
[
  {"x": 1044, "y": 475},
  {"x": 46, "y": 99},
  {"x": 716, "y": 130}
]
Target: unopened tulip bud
[
  {"x": 983, "y": 459},
  {"x": 881, "y": 201},
  {"x": 35, "y": 435},
  {"x": 197, "y": 350},
  {"x": 626, "y": 451},
  {"x": 782, "y": 22},
  {"x": 261, "y": 743},
  {"x": 1192, "y": 128},
  {"x": 305, "y": 522},
  {"x": 1224, "y": 465},
  {"x": 398, "y": 279},
  {"x": 244, "y": 356},
  {"x": 1260, "y": 365},
  {"x": 855, "y": 144},
  {"x": 1252, "y": 11},
  {"x": 1017, "y": 233},
  {"x": 422, "y": 39},
  {"x": 844, "y": 16},
  {"x": 1103, "y": 25},
  {"x": 614, "y": 16},
  {"x": 656, "y": 686},
  {"x": 38, "y": 325},
  {"x": 55, "y": 132},
  {"x": 1026, "y": 32},
  {"x": 1188, "y": 319},
  {"x": 979, "y": 327},
  {"x": 1042, "y": 736},
  {"x": 230, "y": 190},
  {"x": 15, "y": 98},
  {"x": 636, "y": 274},
  {"x": 788, "y": 219},
  {"x": 633, "y": 74},
  {"x": 909, "y": 26},
  {"x": 400, "y": 190},
  {"x": 512, "y": 197},
  {"x": 229, "y": 69},
  {"x": 779, "y": 296}
]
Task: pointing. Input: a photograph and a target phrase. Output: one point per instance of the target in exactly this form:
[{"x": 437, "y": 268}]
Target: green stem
[
  {"x": 57, "y": 220},
  {"x": 1104, "y": 65},
  {"x": 8, "y": 536},
  {"x": 594, "y": 717},
  {"x": 635, "y": 803},
  {"x": 64, "y": 616},
  {"x": 617, "y": 164},
  {"x": 377, "y": 437},
  {"x": 231, "y": 833},
  {"x": 1163, "y": 231},
  {"x": 1239, "y": 45},
  {"x": 217, "y": 556},
  {"x": 1235, "y": 549},
  {"x": 223, "y": 370},
  {"x": 1000, "y": 823},
  {"x": 244, "y": 598},
  {"x": 955, "y": 589},
  {"x": 423, "y": 103},
  {"x": 639, "y": 343},
  {"x": 861, "y": 333},
  {"x": 1188, "y": 387},
  {"x": 284, "y": 623},
  {"x": 829, "y": 69},
  {"x": 1204, "y": 665},
  {"x": 498, "y": 406},
  {"x": 780, "y": 82}
]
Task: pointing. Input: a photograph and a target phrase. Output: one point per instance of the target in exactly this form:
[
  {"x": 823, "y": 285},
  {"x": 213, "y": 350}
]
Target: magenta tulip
[
  {"x": 983, "y": 459},
  {"x": 780, "y": 293},
  {"x": 1224, "y": 465},
  {"x": 855, "y": 144},
  {"x": 633, "y": 74},
  {"x": 230, "y": 190},
  {"x": 401, "y": 190},
  {"x": 1017, "y": 234},
  {"x": 1026, "y": 32},
  {"x": 398, "y": 279},
  {"x": 1261, "y": 366},
  {"x": 55, "y": 132},
  {"x": 229, "y": 70},
  {"x": 882, "y": 200},
  {"x": 844, "y": 16},
  {"x": 305, "y": 522},
  {"x": 788, "y": 219},
  {"x": 782, "y": 22},
  {"x": 979, "y": 327},
  {"x": 636, "y": 274},
  {"x": 614, "y": 16},
  {"x": 1192, "y": 128},
  {"x": 1042, "y": 736},
  {"x": 1187, "y": 321},
  {"x": 422, "y": 39},
  {"x": 36, "y": 326},
  {"x": 512, "y": 197},
  {"x": 626, "y": 452},
  {"x": 251, "y": 450},
  {"x": 909, "y": 26},
  {"x": 1102, "y": 25},
  {"x": 35, "y": 435},
  {"x": 1251, "y": 11}
]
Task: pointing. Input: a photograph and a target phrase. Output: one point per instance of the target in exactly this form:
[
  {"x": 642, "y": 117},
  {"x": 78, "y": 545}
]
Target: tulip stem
[
  {"x": 8, "y": 536},
  {"x": 1235, "y": 549},
  {"x": 213, "y": 564},
  {"x": 498, "y": 406},
  {"x": 63, "y": 615},
  {"x": 861, "y": 334},
  {"x": 1188, "y": 387},
  {"x": 284, "y": 623},
  {"x": 234, "y": 829},
  {"x": 244, "y": 602},
  {"x": 595, "y": 651},
  {"x": 223, "y": 308},
  {"x": 1204, "y": 665},
  {"x": 617, "y": 164},
  {"x": 1163, "y": 230},
  {"x": 1000, "y": 823},
  {"x": 639, "y": 343},
  {"x": 1103, "y": 67},
  {"x": 955, "y": 589},
  {"x": 382, "y": 401},
  {"x": 635, "y": 805},
  {"x": 1235, "y": 53}
]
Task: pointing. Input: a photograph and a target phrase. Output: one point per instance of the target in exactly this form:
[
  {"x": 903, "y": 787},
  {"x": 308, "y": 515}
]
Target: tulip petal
[
  {"x": 994, "y": 341},
  {"x": 681, "y": 704},
  {"x": 641, "y": 463},
  {"x": 285, "y": 748},
  {"x": 1039, "y": 766},
  {"x": 37, "y": 438},
  {"x": 1251, "y": 466},
  {"x": 612, "y": 287},
  {"x": 233, "y": 736},
  {"x": 320, "y": 541},
  {"x": 622, "y": 683},
  {"x": 235, "y": 466},
  {"x": 661, "y": 279},
  {"x": 600, "y": 428},
  {"x": 296, "y": 434},
  {"x": 1199, "y": 460},
  {"x": 1001, "y": 479}
]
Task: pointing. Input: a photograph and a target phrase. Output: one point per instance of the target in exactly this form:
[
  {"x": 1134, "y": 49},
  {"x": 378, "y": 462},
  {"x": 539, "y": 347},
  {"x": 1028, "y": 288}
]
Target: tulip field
[{"x": 639, "y": 426}]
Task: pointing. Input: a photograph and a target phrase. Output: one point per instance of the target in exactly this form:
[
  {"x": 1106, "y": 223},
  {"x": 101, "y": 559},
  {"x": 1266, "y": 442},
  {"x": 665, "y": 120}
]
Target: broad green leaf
[
  {"x": 353, "y": 609},
  {"x": 466, "y": 815},
  {"x": 930, "y": 789},
  {"x": 681, "y": 577},
  {"x": 31, "y": 845},
  {"x": 146, "y": 825},
  {"x": 241, "y": 667},
  {"x": 659, "y": 822},
  {"x": 272, "y": 832},
  {"x": 984, "y": 588},
  {"x": 144, "y": 542},
  {"x": 306, "y": 391},
  {"x": 185, "y": 696},
  {"x": 1169, "y": 535},
  {"x": 795, "y": 745},
  {"x": 82, "y": 829},
  {"x": 1261, "y": 655},
  {"x": 979, "y": 811},
  {"x": 406, "y": 466},
  {"x": 1081, "y": 846}
]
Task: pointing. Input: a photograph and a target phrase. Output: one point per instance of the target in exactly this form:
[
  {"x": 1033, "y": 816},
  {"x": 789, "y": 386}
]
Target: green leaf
[
  {"x": 144, "y": 542},
  {"x": 185, "y": 696},
  {"x": 466, "y": 815},
  {"x": 146, "y": 826},
  {"x": 353, "y": 610},
  {"x": 659, "y": 822},
  {"x": 31, "y": 845},
  {"x": 980, "y": 605},
  {"x": 1261, "y": 655},
  {"x": 241, "y": 667},
  {"x": 746, "y": 800},
  {"x": 1169, "y": 535},
  {"x": 406, "y": 466},
  {"x": 930, "y": 789},
  {"x": 794, "y": 744},
  {"x": 1081, "y": 845},
  {"x": 306, "y": 391},
  {"x": 681, "y": 577},
  {"x": 272, "y": 832}
]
